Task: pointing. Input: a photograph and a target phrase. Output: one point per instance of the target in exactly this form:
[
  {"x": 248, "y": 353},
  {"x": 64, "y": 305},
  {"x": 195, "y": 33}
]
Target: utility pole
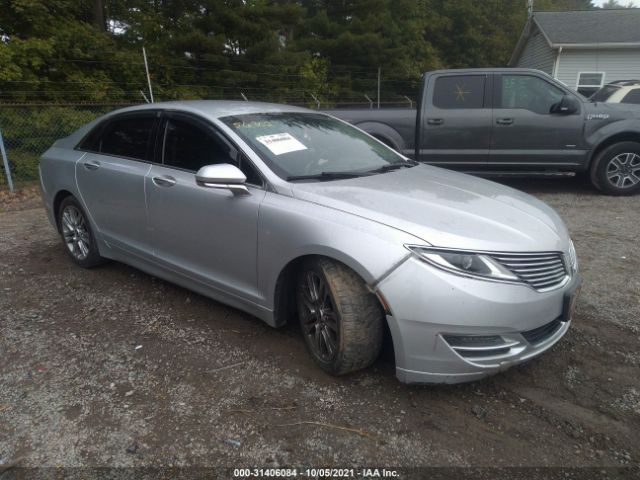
[
  {"x": 7, "y": 168},
  {"x": 379, "y": 70},
  {"x": 146, "y": 68}
]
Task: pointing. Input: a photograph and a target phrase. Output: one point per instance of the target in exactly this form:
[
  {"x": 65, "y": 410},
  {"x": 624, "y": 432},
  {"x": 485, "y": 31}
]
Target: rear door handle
[
  {"x": 435, "y": 121},
  {"x": 504, "y": 121},
  {"x": 92, "y": 165},
  {"x": 164, "y": 181}
]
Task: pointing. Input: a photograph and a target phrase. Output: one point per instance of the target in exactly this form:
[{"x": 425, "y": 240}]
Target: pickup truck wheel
[
  {"x": 616, "y": 170},
  {"x": 341, "y": 321}
]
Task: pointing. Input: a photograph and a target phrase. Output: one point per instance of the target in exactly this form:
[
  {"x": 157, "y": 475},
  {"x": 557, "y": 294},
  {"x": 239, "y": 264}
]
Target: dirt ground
[{"x": 112, "y": 367}]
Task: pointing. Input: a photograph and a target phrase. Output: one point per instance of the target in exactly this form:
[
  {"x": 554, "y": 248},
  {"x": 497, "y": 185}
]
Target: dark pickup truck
[{"x": 508, "y": 121}]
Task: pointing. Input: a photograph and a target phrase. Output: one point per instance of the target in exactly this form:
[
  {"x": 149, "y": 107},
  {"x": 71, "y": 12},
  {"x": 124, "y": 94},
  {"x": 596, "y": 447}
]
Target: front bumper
[{"x": 429, "y": 307}]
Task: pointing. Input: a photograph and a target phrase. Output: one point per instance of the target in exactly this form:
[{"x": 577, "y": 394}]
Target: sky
[{"x": 636, "y": 3}]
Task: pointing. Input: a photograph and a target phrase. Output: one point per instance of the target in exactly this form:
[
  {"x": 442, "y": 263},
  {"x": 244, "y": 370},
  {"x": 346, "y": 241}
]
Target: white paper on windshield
[{"x": 280, "y": 143}]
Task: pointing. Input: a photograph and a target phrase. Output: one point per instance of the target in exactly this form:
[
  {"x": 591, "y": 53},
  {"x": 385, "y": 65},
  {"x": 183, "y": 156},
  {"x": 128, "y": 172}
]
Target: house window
[{"x": 589, "y": 82}]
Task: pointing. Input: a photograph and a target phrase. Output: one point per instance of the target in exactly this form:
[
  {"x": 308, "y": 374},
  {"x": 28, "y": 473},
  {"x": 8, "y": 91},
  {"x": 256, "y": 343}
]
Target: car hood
[
  {"x": 616, "y": 110},
  {"x": 445, "y": 209}
]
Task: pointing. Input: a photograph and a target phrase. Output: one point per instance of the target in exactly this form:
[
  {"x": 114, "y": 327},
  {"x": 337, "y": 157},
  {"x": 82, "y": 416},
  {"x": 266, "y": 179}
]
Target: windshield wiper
[
  {"x": 394, "y": 166},
  {"x": 328, "y": 176}
]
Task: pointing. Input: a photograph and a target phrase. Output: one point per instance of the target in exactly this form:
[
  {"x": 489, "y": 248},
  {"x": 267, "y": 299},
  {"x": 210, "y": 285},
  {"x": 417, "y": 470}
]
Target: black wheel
[
  {"x": 77, "y": 234},
  {"x": 616, "y": 170},
  {"x": 342, "y": 322}
]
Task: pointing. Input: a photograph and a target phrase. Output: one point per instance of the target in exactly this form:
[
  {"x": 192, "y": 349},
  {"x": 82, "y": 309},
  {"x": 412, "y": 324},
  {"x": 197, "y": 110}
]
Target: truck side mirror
[{"x": 566, "y": 106}]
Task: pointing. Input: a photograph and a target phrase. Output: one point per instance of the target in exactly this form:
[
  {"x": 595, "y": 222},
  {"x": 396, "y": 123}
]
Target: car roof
[
  {"x": 216, "y": 108},
  {"x": 624, "y": 83}
]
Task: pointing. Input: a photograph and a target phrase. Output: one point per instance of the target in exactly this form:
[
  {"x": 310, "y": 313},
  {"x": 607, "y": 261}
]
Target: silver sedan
[{"x": 287, "y": 213}]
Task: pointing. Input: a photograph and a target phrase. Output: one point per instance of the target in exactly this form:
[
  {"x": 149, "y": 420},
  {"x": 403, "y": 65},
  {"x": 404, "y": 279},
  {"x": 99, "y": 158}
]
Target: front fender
[
  {"x": 598, "y": 137},
  {"x": 291, "y": 228}
]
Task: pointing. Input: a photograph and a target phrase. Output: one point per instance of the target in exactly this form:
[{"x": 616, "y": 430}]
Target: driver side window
[
  {"x": 528, "y": 92},
  {"x": 190, "y": 146}
]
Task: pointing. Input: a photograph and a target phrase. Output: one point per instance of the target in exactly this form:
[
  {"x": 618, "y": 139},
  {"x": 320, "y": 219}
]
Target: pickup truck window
[
  {"x": 528, "y": 92},
  {"x": 459, "y": 91}
]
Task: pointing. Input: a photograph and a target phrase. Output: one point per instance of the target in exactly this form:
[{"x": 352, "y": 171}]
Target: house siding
[
  {"x": 618, "y": 64},
  {"x": 537, "y": 54}
]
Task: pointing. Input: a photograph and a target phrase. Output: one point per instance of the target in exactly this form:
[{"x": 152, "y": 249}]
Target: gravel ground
[{"x": 112, "y": 367}]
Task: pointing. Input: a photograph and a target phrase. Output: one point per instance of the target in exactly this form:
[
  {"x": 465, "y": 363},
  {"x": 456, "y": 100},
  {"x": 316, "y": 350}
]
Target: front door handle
[
  {"x": 435, "y": 121},
  {"x": 91, "y": 165},
  {"x": 164, "y": 181},
  {"x": 504, "y": 121}
]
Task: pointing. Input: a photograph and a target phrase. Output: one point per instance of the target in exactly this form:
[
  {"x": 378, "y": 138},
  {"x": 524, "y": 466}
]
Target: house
[{"x": 583, "y": 49}]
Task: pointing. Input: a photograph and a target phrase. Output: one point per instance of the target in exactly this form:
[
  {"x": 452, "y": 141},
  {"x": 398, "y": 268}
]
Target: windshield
[
  {"x": 604, "y": 93},
  {"x": 297, "y": 144}
]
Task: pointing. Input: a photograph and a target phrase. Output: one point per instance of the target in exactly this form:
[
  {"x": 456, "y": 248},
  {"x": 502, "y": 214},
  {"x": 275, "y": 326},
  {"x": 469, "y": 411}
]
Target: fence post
[{"x": 7, "y": 170}]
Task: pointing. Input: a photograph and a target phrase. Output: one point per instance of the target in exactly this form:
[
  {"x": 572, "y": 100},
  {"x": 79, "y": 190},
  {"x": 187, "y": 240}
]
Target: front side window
[
  {"x": 190, "y": 146},
  {"x": 459, "y": 91},
  {"x": 299, "y": 144},
  {"x": 529, "y": 93},
  {"x": 589, "y": 82},
  {"x": 128, "y": 137},
  {"x": 632, "y": 97}
]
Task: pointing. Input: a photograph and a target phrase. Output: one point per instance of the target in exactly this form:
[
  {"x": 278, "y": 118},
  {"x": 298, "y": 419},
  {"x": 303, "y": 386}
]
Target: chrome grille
[{"x": 543, "y": 271}]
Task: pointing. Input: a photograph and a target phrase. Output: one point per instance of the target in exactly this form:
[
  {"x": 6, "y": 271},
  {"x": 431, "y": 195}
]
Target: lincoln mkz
[{"x": 287, "y": 213}]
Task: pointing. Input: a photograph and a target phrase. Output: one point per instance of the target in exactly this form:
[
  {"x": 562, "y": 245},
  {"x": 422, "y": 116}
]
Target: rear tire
[
  {"x": 77, "y": 235},
  {"x": 616, "y": 170},
  {"x": 341, "y": 320}
]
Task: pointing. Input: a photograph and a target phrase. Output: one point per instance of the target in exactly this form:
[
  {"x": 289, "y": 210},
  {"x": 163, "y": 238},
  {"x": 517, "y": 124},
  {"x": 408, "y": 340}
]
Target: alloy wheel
[
  {"x": 320, "y": 323},
  {"x": 75, "y": 232},
  {"x": 623, "y": 170}
]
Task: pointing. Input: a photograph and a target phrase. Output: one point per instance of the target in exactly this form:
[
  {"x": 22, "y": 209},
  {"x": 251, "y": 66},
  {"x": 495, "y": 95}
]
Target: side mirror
[
  {"x": 566, "y": 106},
  {"x": 222, "y": 175}
]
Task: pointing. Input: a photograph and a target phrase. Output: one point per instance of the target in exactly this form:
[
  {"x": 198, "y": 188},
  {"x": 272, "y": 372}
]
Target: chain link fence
[{"x": 29, "y": 130}]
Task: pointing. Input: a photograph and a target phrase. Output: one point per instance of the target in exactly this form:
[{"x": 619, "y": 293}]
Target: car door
[
  {"x": 456, "y": 120},
  {"x": 111, "y": 176},
  {"x": 206, "y": 234},
  {"x": 525, "y": 132}
]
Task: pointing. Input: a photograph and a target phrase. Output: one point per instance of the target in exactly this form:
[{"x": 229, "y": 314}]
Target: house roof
[
  {"x": 599, "y": 28},
  {"x": 590, "y": 26}
]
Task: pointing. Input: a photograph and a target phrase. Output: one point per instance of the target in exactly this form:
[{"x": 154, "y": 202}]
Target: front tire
[
  {"x": 77, "y": 235},
  {"x": 341, "y": 321},
  {"x": 616, "y": 170}
]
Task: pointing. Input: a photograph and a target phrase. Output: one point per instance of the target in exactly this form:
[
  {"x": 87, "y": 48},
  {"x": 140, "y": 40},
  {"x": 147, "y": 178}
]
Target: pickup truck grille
[{"x": 543, "y": 271}]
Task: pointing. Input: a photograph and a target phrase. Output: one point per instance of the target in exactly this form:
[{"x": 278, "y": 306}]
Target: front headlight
[{"x": 464, "y": 263}]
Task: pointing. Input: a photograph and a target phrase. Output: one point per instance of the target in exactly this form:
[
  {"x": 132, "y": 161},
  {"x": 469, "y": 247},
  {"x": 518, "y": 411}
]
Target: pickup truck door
[
  {"x": 455, "y": 123},
  {"x": 525, "y": 133}
]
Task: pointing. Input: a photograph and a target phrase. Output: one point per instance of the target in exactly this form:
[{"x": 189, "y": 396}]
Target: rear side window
[
  {"x": 632, "y": 97},
  {"x": 459, "y": 91},
  {"x": 91, "y": 143},
  {"x": 128, "y": 137}
]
